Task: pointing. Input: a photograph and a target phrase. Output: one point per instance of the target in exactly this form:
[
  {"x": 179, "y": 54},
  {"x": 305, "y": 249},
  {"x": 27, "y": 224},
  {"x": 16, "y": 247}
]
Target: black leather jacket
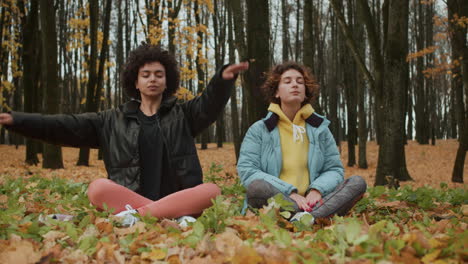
[{"x": 116, "y": 131}]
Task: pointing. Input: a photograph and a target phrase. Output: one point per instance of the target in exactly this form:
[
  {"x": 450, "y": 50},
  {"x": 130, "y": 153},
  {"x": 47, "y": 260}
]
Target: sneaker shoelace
[
  {"x": 185, "y": 220},
  {"x": 299, "y": 215},
  {"x": 127, "y": 216}
]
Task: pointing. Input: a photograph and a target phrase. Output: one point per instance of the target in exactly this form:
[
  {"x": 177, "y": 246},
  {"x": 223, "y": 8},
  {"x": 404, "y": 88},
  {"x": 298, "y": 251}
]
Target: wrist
[{"x": 313, "y": 190}]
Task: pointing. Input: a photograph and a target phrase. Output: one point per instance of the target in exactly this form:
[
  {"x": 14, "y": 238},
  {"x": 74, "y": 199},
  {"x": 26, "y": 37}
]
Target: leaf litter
[{"x": 425, "y": 221}]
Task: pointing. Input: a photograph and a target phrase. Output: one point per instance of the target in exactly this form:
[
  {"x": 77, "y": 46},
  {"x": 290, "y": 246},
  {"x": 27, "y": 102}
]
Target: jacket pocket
[{"x": 187, "y": 170}]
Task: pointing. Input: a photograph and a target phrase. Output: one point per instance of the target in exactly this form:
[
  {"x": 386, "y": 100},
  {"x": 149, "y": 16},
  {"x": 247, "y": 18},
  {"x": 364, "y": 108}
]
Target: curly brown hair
[
  {"x": 142, "y": 55},
  {"x": 270, "y": 87}
]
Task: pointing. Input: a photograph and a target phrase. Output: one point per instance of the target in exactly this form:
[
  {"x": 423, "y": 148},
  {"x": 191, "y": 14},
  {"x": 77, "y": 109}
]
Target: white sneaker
[
  {"x": 298, "y": 216},
  {"x": 127, "y": 217},
  {"x": 185, "y": 220},
  {"x": 58, "y": 217}
]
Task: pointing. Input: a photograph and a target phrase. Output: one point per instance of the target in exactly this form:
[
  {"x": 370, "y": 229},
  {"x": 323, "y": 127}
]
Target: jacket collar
[
  {"x": 130, "y": 108},
  {"x": 271, "y": 121}
]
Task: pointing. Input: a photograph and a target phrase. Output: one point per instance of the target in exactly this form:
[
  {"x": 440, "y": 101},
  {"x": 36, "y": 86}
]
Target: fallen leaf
[
  {"x": 228, "y": 243},
  {"x": 429, "y": 258},
  {"x": 105, "y": 227},
  {"x": 464, "y": 209},
  {"x": 53, "y": 235},
  {"x": 394, "y": 204},
  {"x": 166, "y": 223},
  {"x": 246, "y": 254},
  {"x": 22, "y": 251},
  {"x": 174, "y": 259},
  {"x": 75, "y": 256},
  {"x": 3, "y": 198},
  {"x": 140, "y": 226},
  {"x": 155, "y": 254}
]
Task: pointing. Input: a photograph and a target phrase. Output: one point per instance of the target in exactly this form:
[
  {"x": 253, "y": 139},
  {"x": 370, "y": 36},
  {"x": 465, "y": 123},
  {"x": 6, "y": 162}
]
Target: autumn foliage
[{"x": 411, "y": 225}]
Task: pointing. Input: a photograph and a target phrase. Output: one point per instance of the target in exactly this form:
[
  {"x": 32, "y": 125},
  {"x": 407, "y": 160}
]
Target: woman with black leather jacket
[{"x": 148, "y": 142}]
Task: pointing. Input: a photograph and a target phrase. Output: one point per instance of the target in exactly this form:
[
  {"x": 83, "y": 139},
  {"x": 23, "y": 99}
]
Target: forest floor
[
  {"x": 427, "y": 164},
  {"x": 424, "y": 221}
]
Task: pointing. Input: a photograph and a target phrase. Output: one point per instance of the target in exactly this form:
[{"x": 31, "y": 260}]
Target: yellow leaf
[
  {"x": 435, "y": 243},
  {"x": 429, "y": 258},
  {"x": 247, "y": 255},
  {"x": 155, "y": 254}
]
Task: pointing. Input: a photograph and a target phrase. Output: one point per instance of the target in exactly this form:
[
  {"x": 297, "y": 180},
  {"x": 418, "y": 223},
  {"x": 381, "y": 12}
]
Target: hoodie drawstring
[{"x": 297, "y": 133}]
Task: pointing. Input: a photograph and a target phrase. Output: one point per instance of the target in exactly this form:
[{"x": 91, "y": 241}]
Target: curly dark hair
[
  {"x": 270, "y": 87},
  {"x": 142, "y": 55}
]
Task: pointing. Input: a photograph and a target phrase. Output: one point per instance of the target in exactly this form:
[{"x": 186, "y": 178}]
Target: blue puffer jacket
[{"x": 260, "y": 155}]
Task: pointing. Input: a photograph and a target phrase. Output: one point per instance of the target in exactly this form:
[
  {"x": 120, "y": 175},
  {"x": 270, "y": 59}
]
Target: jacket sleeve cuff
[
  {"x": 24, "y": 122},
  {"x": 318, "y": 188},
  {"x": 291, "y": 190},
  {"x": 218, "y": 77}
]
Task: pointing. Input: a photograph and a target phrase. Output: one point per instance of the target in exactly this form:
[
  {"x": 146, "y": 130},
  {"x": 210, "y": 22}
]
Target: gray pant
[{"x": 338, "y": 202}]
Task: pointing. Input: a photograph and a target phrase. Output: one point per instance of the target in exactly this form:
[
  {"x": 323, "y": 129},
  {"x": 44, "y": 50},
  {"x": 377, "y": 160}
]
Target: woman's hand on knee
[
  {"x": 301, "y": 201},
  {"x": 313, "y": 197}
]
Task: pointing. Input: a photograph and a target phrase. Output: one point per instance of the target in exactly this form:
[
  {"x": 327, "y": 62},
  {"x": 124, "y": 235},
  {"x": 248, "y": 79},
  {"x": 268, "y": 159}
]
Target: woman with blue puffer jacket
[{"x": 293, "y": 153}]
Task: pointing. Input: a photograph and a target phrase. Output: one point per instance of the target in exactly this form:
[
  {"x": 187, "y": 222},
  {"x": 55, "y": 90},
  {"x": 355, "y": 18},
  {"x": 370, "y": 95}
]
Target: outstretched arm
[
  {"x": 204, "y": 109},
  {"x": 231, "y": 71},
  {"x": 80, "y": 130}
]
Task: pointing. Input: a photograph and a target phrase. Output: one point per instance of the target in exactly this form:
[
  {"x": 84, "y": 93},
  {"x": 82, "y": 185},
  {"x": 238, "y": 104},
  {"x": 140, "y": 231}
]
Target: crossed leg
[
  {"x": 339, "y": 202},
  {"x": 190, "y": 201}
]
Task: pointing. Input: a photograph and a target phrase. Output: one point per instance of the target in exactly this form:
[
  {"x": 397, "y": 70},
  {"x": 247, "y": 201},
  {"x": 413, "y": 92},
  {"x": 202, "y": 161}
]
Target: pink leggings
[{"x": 190, "y": 201}]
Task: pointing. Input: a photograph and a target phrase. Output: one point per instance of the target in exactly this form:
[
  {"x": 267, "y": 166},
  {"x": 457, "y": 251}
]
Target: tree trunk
[
  {"x": 240, "y": 44},
  {"x": 361, "y": 91},
  {"x": 285, "y": 11},
  {"x": 200, "y": 72},
  {"x": 174, "y": 8},
  {"x": 334, "y": 82},
  {"x": 350, "y": 93},
  {"x": 128, "y": 29},
  {"x": 422, "y": 120},
  {"x": 102, "y": 60},
  {"x": 91, "y": 100},
  {"x": 308, "y": 36},
  {"x": 30, "y": 56},
  {"x": 452, "y": 111},
  {"x": 219, "y": 28},
  {"x": 119, "y": 61},
  {"x": 103, "y": 56},
  {"x": 460, "y": 49},
  {"x": 391, "y": 162},
  {"x": 234, "y": 109},
  {"x": 362, "y": 127},
  {"x": 258, "y": 39},
  {"x": 52, "y": 154},
  {"x": 297, "y": 43},
  {"x": 4, "y": 60}
]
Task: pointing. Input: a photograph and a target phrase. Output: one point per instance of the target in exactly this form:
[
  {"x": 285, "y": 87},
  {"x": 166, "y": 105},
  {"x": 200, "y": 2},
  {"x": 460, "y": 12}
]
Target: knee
[
  {"x": 359, "y": 183},
  {"x": 95, "y": 189},
  {"x": 261, "y": 188},
  {"x": 255, "y": 187},
  {"x": 213, "y": 189}
]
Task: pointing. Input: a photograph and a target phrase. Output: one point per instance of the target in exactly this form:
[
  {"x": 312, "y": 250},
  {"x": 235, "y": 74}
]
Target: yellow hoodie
[{"x": 294, "y": 147}]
